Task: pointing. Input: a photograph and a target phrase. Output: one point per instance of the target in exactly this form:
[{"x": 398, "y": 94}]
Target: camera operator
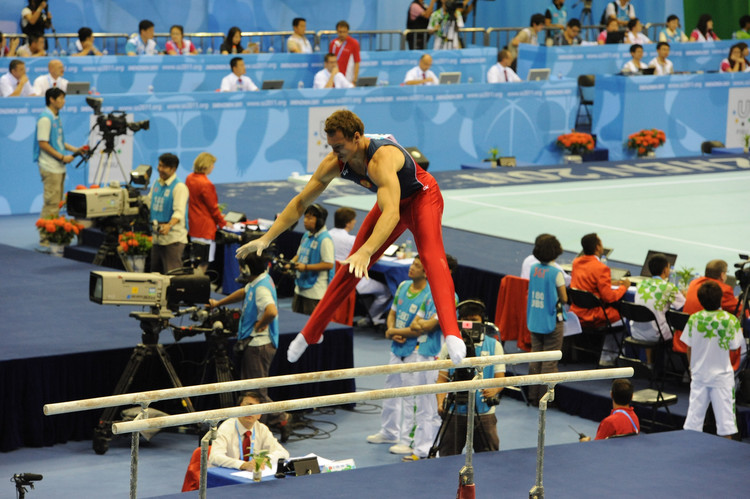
[
  {"x": 258, "y": 334},
  {"x": 50, "y": 154},
  {"x": 35, "y": 18},
  {"x": 168, "y": 200},
  {"x": 485, "y": 432},
  {"x": 444, "y": 24}
]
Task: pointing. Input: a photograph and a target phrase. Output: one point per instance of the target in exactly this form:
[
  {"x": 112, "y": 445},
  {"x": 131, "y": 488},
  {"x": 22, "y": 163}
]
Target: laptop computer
[
  {"x": 367, "y": 81},
  {"x": 450, "y": 78},
  {"x": 615, "y": 37},
  {"x": 539, "y": 74},
  {"x": 272, "y": 84},
  {"x": 648, "y": 71},
  {"x": 78, "y": 88}
]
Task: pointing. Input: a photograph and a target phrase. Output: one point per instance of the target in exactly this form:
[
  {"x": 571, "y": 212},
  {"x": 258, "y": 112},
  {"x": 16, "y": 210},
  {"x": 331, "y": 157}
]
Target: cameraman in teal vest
[
  {"x": 168, "y": 203},
  {"x": 50, "y": 153},
  {"x": 313, "y": 262}
]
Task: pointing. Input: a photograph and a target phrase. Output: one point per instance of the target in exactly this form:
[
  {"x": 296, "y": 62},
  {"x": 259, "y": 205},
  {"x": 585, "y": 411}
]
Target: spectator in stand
[
  {"x": 622, "y": 420},
  {"x": 34, "y": 47},
  {"x": 528, "y": 35},
  {"x": 445, "y": 25},
  {"x": 15, "y": 83},
  {"x": 298, "y": 42},
  {"x": 570, "y": 35},
  {"x": 233, "y": 43},
  {"x": 204, "y": 214},
  {"x": 501, "y": 72},
  {"x": 237, "y": 80},
  {"x": 142, "y": 43},
  {"x": 734, "y": 63},
  {"x": 418, "y": 17},
  {"x": 704, "y": 31},
  {"x": 623, "y": 10},
  {"x": 662, "y": 66},
  {"x": 35, "y": 18},
  {"x": 54, "y": 78},
  {"x": 635, "y": 66},
  {"x": 745, "y": 52},
  {"x": 744, "y": 31},
  {"x": 613, "y": 26},
  {"x": 346, "y": 50},
  {"x": 178, "y": 45},
  {"x": 590, "y": 274},
  {"x": 85, "y": 43},
  {"x": 330, "y": 76},
  {"x": 421, "y": 73},
  {"x": 10, "y": 49},
  {"x": 635, "y": 33},
  {"x": 673, "y": 33},
  {"x": 555, "y": 17}
]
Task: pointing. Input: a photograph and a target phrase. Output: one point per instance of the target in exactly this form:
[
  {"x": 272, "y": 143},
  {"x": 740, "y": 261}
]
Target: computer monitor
[
  {"x": 671, "y": 258},
  {"x": 539, "y": 74},
  {"x": 306, "y": 466},
  {"x": 615, "y": 37},
  {"x": 367, "y": 81},
  {"x": 78, "y": 88},
  {"x": 450, "y": 78},
  {"x": 272, "y": 84}
]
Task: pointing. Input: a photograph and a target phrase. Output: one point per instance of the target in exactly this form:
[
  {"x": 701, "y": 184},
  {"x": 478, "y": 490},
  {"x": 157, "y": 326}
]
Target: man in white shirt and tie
[
  {"x": 330, "y": 76},
  {"x": 421, "y": 74},
  {"x": 52, "y": 79},
  {"x": 502, "y": 72},
  {"x": 15, "y": 83},
  {"x": 237, "y": 80}
]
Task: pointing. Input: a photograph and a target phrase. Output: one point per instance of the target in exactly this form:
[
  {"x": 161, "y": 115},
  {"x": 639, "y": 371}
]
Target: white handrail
[
  {"x": 145, "y": 398},
  {"x": 347, "y": 398}
]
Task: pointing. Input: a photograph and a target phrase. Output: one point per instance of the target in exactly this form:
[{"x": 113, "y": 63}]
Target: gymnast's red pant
[{"x": 422, "y": 214}]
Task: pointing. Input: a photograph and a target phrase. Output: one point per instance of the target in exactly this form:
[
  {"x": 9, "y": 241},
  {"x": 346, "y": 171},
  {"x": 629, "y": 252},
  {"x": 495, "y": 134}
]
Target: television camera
[
  {"x": 114, "y": 200},
  {"x": 473, "y": 334},
  {"x": 116, "y": 122},
  {"x": 219, "y": 321},
  {"x": 23, "y": 480},
  {"x": 742, "y": 274}
]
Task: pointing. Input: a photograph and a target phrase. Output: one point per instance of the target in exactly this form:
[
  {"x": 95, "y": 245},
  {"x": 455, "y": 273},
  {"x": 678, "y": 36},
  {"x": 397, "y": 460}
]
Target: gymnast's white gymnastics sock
[
  {"x": 297, "y": 347},
  {"x": 456, "y": 348}
]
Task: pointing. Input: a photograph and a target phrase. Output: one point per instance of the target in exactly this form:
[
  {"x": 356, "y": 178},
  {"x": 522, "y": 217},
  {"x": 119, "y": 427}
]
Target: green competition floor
[{"x": 697, "y": 217}]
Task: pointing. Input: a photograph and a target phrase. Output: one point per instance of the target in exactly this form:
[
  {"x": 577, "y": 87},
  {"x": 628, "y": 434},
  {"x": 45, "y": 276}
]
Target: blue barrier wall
[
  {"x": 264, "y": 135},
  {"x": 609, "y": 59},
  {"x": 274, "y": 15},
  {"x": 203, "y": 73},
  {"x": 688, "y": 108}
]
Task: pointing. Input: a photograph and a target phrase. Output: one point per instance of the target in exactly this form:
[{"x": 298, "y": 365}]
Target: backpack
[{"x": 603, "y": 20}]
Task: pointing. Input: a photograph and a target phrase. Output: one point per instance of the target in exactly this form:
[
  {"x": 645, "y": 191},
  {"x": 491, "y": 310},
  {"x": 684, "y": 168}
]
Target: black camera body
[
  {"x": 743, "y": 272},
  {"x": 217, "y": 322},
  {"x": 473, "y": 334},
  {"x": 116, "y": 123}
]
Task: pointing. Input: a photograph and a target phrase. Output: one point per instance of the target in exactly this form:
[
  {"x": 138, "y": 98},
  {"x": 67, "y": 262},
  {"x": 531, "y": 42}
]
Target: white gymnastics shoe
[{"x": 456, "y": 348}]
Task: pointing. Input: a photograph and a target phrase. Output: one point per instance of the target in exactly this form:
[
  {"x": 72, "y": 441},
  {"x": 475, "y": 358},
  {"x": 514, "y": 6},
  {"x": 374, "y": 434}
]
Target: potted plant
[
  {"x": 135, "y": 246},
  {"x": 646, "y": 141},
  {"x": 59, "y": 231},
  {"x": 684, "y": 276},
  {"x": 746, "y": 148},
  {"x": 575, "y": 144},
  {"x": 494, "y": 156},
  {"x": 260, "y": 459}
]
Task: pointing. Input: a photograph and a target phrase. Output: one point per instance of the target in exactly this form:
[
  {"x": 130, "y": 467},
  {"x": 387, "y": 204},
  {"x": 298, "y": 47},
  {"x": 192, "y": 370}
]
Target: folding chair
[
  {"x": 585, "y": 102},
  {"x": 677, "y": 321},
  {"x": 587, "y": 299},
  {"x": 652, "y": 397}
]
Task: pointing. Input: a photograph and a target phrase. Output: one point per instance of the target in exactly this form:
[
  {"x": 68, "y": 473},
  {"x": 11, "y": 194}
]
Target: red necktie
[
  {"x": 246, "y": 446},
  {"x": 424, "y": 75},
  {"x": 54, "y": 84},
  {"x": 505, "y": 72}
]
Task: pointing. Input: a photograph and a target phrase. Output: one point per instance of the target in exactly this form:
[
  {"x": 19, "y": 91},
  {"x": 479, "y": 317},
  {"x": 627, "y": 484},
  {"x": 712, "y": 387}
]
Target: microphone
[{"x": 27, "y": 477}]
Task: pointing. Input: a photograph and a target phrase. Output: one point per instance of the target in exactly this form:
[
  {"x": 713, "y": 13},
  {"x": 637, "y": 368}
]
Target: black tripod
[
  {"x": 151, "y": 324},
  {"x": 218, "y": 355},
  {"x": 453, "y": 400}
]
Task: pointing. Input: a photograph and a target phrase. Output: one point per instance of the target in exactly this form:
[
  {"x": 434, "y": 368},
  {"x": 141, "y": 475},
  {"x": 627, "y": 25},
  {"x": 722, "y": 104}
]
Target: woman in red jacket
[{"x": 204, "y": 215}]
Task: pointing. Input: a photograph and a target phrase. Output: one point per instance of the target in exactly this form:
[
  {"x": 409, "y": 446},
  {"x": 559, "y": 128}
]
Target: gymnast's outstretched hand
[
  {"x": 358, "y": 263},
  {"x": 257, "y": 245}
]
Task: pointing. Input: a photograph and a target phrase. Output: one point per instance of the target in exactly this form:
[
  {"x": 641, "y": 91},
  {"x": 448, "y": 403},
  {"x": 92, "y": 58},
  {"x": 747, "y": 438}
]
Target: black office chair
[
  {"x": 677, "y": 321},
  {"x": 652, "y": 397},
  {"x": 708, "y": 146},
  {"x": 588, "y": 300},
  {"x": 660, "y": 347},
  {"x": 585, "y": 102}
]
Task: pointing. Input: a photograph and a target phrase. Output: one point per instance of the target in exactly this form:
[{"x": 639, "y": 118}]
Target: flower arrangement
[
  {"x": 58, "y": 230},
  {"x": 646, "y": 141},
  {"x": 135, "y": 243},
  {"x": 576, "y": 143}
]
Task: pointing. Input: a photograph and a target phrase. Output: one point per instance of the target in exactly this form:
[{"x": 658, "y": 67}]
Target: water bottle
[
  {"x": 210, "y": 50},
  {"x": 271, "y": 49},
  {"x": 603, "y": 259},
  {"x": 105, "y": 52},
  {"x": 63, "y": 52},
  {"x": 300, "y": 84},
  {"x": 409, "y": 249},
  {"x": 471, "y": 80},
  {"x": 151, "y": 89}
]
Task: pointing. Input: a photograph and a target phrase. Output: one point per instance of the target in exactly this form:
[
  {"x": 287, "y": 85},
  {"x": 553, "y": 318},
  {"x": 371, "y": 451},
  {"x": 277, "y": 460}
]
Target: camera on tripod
[
  {"x": 220, "y": 321},
  {"x": 116, "y": 122},
  {"x": 743, "y": 272},
  {"x": 473, "y": 334},
  {"x": 451, "y": 6},
  {"x": 113, "y": 201},
  {"x": 162, "y": 292}
]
